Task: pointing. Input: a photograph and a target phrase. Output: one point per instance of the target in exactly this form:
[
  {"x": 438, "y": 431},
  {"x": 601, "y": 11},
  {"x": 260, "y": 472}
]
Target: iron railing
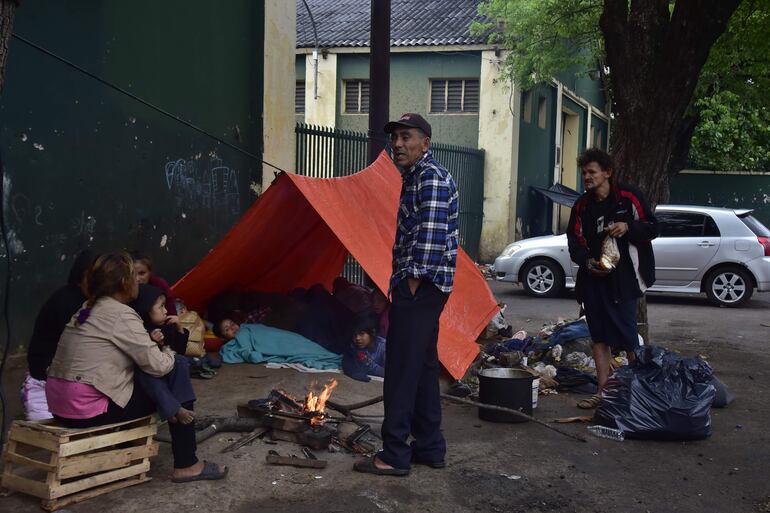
[{"x": 325, "y": 152}]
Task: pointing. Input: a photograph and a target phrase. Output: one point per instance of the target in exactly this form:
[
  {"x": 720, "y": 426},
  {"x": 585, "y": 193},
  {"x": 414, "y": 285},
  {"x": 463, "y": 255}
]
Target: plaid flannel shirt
[{"x": 426, "y": 234}]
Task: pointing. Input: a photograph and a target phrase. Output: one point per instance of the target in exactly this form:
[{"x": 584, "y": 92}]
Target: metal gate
[{"x": 325, "y": 152}]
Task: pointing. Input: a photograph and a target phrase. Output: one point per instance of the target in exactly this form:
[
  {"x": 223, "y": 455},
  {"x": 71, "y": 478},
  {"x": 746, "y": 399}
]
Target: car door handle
[{"x": 706, "y": 244}]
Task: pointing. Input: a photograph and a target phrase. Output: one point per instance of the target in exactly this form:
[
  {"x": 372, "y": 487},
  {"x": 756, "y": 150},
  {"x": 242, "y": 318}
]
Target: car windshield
[{"x": 755, "y": 226}]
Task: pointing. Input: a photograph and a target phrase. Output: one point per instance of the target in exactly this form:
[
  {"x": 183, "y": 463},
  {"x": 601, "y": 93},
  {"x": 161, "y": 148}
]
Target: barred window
[
  {"x": 449, "y": 96},
  {"x": 299, "y": 97},
  {"x": 356, "y": 96}
]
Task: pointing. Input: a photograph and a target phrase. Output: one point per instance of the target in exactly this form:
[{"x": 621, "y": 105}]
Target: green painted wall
[
  {"x": 585, "y": 87},
  {"x": 724, "y": 190},
  {"x": 536, "y": 162},
  {"x": 89, "y": 167},
  {"x": 410, "y": 75},
  {"x": 600, "y": 131}
]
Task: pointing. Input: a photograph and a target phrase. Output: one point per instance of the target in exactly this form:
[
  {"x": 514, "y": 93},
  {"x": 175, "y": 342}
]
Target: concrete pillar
[
  {"x": 499, "y": 138},
  {"x": 279, "y": 79},
  {"x": 322, "y": 110}
]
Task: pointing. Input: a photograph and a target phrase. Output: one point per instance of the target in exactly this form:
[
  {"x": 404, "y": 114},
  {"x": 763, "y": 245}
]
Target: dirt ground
[{"x": 496, "y": 467}]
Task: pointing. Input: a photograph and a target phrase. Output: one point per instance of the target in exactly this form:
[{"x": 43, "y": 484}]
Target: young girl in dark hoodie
[{"x": 173, "y": 393}]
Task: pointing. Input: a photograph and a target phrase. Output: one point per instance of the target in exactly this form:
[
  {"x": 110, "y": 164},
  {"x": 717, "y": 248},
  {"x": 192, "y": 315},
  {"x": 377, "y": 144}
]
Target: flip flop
[
  {"x": 210, "y": 472},
  {"x": 590, "y": 403},
  {"x": 201, "y": 372},
  {"x": 367, "y": 466}
]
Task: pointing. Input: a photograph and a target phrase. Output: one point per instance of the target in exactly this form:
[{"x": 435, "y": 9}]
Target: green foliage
[
  {"x": 732, "y": 135},
  {"x": 545, "y": 37},
  {"x": 732, "y": 99}
]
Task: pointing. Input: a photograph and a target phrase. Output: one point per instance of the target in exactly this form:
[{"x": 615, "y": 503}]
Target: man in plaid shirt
[{"x": 424, "y": 261}]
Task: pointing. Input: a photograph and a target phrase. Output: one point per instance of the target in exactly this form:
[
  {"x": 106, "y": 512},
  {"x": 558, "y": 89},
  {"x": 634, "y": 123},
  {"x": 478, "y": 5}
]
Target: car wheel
[
  {"x": 542, "y": 278},
  {"x": 729, "y": 286}
]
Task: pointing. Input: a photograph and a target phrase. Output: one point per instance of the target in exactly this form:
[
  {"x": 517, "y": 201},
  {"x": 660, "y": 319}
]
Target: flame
[{"x": 317, "y": 403}]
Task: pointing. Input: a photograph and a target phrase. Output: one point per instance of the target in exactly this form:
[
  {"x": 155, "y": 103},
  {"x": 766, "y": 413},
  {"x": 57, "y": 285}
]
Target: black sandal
[
  {"x": 368, "y": 466},
  {"x": 210, "y": 472}
]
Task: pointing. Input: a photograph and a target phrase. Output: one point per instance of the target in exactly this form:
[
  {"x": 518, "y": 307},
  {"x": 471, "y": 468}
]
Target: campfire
[
  {"x": 305, "y": 421},
  {"x": 316, "y": 404}
]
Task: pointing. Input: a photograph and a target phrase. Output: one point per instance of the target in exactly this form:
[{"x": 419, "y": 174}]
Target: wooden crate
[{"x": 63, "y": 466}]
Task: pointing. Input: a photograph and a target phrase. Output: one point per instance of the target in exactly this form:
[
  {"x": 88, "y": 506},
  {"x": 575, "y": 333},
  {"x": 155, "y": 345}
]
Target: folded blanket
[{"x": 257, "y": 343}]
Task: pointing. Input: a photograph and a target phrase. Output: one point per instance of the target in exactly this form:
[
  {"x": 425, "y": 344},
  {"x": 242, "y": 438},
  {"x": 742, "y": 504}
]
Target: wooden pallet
[{"x": 64, "y": 466}]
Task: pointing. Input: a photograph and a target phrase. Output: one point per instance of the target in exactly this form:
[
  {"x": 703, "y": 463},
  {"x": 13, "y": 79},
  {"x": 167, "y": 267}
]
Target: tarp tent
[{"x": 299, "y": 233}]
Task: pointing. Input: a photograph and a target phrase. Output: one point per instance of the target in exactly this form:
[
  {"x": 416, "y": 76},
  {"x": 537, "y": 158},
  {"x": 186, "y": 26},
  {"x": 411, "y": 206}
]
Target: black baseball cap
[{"x": 411, "y": 120}]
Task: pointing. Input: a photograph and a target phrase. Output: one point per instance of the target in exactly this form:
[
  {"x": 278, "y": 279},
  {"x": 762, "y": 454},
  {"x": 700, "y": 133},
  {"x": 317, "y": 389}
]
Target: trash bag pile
[
  {"x": 662, "y": 396},
  {"x": 560, "y": 354}
]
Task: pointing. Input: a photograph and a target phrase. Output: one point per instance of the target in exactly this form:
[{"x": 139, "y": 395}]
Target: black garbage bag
[{"x": 661, "y": 396}]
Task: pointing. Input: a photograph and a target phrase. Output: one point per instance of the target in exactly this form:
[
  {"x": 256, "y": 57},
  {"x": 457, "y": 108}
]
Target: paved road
[{"x": 672, "y": 318}]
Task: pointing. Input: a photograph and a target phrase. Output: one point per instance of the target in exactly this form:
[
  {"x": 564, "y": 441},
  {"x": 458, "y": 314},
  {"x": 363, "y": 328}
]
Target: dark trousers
[
  {"x": 411, "y": 389},
  {"x": 168, "y": 392},
  {"x": 183, "y": 445}
]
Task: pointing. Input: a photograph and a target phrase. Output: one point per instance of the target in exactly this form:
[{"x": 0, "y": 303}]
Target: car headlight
[{"x": 510, "y": 250}]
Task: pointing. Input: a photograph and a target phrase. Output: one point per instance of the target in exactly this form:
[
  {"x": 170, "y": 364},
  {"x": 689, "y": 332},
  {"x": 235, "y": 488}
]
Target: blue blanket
[{"x": 256, "y": 343}]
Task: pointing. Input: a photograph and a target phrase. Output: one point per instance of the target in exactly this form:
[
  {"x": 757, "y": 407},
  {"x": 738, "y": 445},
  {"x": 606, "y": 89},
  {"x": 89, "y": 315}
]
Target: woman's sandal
[
  {"x": 210, "y": 472},
  {"x": 590, "y": 403},
  {"x": 369, "y": 467}
]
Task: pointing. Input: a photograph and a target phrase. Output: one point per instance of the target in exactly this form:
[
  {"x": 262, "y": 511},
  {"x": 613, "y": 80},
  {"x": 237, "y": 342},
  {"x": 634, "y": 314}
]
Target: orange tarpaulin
[{"x": 299, "y": 232}]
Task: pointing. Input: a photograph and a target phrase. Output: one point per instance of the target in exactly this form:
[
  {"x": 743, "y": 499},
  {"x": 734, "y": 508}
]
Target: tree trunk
[
  {"x": 655, "y": 58},
  {"x": 7, "y": 11},
  {"x": 680, "y": 155}
]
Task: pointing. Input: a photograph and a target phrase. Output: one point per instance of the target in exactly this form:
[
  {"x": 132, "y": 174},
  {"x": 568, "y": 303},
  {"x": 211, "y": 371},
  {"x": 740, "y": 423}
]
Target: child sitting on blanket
[
  {"x": 173, "y": 390},
  {"x": 366, "y": 354}
]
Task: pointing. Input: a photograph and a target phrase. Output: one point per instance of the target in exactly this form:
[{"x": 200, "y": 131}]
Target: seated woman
[
  {"x": 365, "y": 355},
  {"x": 50, "y": 322},
  {"x": 91, "y": 378}
]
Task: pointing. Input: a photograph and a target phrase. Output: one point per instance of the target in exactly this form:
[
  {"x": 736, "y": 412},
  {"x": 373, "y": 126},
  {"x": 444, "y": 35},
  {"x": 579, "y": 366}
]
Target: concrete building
[{"x": 440, "y": 69}]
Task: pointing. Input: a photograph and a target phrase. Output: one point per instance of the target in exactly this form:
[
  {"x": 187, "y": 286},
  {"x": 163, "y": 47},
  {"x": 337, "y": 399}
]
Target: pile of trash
[{"x": 559, "y": 354}]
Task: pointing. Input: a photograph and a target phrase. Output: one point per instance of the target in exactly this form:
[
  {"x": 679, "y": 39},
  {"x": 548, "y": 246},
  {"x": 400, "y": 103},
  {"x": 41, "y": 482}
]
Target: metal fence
[{"x": 324, "y": 152}]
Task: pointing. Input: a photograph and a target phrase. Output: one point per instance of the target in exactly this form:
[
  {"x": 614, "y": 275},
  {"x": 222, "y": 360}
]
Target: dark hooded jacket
[
  {"x": 627, "y": 204},
  {"x": 54, "y": 315},
  {"x": 143, "y": 304}
]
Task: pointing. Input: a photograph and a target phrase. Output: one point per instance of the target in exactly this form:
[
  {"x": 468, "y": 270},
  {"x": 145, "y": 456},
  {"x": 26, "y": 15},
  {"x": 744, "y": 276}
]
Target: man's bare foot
[
  {"x": 381, "y": 464},
  {"x": 193, "y": 470},
  {"x": 184, "y": 416}
]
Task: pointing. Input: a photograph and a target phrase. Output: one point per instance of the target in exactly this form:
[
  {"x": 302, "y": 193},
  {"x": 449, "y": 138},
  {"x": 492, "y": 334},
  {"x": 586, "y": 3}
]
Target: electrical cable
[
  {"x": 6, "y": 294},
  {"x": 142, "y": 101}
]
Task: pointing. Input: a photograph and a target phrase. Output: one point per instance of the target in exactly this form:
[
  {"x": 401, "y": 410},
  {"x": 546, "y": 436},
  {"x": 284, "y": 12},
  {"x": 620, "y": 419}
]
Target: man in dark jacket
[{"x": 609, "y": 294}]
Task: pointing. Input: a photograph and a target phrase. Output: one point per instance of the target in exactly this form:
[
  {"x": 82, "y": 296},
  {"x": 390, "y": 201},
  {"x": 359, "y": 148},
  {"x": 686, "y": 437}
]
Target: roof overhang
[{"x": 402, "y": 49}]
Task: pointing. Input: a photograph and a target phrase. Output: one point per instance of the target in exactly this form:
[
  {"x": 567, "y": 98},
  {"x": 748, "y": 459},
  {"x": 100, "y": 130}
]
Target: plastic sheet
[
  {"x": 299, "y": 232},
  {"x": 662, "y": 396}
]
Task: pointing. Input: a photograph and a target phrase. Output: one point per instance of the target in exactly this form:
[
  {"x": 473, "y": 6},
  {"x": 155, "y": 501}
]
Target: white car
[{"x": 722, "y": 252}]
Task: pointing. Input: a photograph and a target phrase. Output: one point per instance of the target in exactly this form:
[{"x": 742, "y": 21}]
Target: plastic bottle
[{"x": 607, "y": 432}]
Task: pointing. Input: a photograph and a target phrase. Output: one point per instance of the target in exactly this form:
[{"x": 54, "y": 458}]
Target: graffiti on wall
[{"x": 207, "y": 186}]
